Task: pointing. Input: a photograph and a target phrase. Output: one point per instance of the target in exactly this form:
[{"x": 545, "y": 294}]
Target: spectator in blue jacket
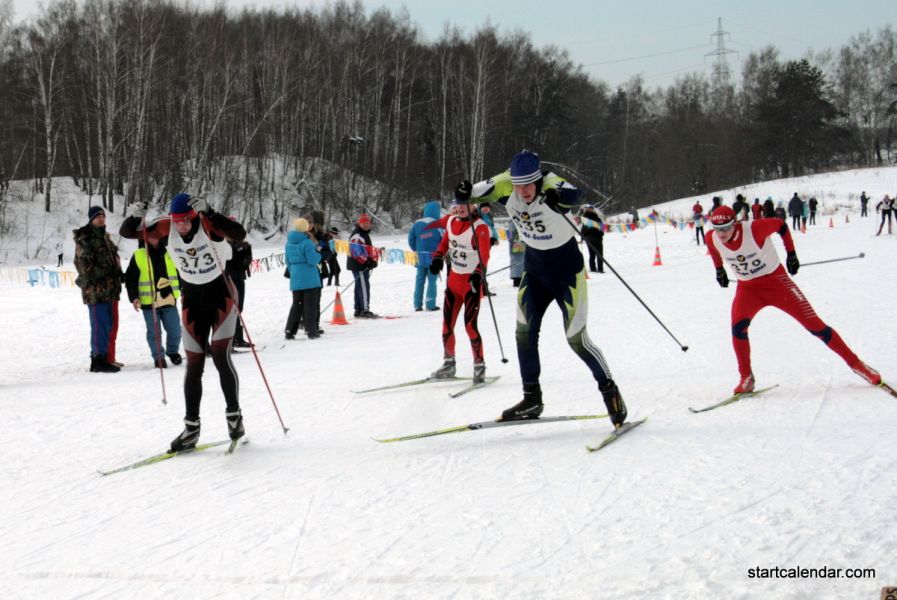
[
  {"x": 424, "y": 242},
  {"x": 302, "y": 259}
]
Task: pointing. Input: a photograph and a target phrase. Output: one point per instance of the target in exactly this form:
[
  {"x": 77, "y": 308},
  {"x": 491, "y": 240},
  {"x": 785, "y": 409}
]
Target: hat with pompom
[{"x": 300, "y": 225}]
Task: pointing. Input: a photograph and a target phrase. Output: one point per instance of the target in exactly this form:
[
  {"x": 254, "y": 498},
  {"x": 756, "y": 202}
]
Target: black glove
[
  {"x": 792, "y": 263},
  {"x": 494, "y": 241},
  {"x": 462, "y": 192},
  {"x": 476, "y": 281},
  {"x": 721, "y": 278},
  {"x": 370, "y": 264},
  {"x": 436, "y": 265},
  {"x": 553, "y": 200}
]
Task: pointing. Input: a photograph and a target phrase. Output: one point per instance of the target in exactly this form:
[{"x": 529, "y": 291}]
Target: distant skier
[
  {"x": 467, "y": 244},
  {"x": 198, "y": 242},
  {"x": 697, "y": 215},
  {"x": 886, "y": 206},
  {"x": 762, "y": 282},
  {"x": 554, "y": 272}
]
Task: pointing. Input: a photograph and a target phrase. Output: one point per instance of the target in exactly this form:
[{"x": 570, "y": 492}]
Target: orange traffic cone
[
  {"x": 831, "y": 222},
  {"x": 657, "y": 261},
  {"x": 339, "y": 316}
]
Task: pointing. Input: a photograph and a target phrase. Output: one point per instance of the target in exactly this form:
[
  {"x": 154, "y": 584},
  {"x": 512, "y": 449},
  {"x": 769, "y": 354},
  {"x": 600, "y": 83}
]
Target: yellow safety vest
[{"x": 145, "y": 284}]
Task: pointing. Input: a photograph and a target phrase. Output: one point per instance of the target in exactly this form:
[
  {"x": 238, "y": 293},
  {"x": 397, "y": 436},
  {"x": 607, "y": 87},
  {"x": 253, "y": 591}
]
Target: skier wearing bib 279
[
  {"x": 554, "y": 272},
  {"x": 763, "y": 282},
  {"x": 198, "y": 242}
]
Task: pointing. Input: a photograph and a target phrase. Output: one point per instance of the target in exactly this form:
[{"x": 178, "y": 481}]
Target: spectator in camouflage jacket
[{"x": 100, "y": 278}]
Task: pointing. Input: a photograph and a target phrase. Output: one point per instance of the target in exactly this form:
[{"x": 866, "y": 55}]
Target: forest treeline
[{"x": 147, "y": 98}]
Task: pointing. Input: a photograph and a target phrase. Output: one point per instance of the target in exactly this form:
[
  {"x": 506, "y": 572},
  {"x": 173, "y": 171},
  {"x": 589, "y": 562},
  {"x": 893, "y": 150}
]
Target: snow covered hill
[{"x": 685, "y": 507}]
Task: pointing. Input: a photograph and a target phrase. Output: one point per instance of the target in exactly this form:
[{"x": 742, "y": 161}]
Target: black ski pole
[
  {"x": 476, "y": 247},
  {"x": 831, "y": 260},
  {"x": 499, "y": 270},
  {"x": 342, "y": 291},
  {"x": 623, "y": 281},
  {"x": 157, "y": 330}
]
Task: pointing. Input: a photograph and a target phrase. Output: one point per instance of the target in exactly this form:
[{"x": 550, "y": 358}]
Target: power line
[{"x": 619, "y": 60}]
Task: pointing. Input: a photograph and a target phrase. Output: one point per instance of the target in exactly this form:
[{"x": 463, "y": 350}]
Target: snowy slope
[{"x": 802, "y": 476}]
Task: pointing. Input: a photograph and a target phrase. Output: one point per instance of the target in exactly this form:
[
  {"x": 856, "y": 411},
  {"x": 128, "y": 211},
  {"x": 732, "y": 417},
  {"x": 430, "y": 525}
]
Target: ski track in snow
[{"x": 800, "y": 476}]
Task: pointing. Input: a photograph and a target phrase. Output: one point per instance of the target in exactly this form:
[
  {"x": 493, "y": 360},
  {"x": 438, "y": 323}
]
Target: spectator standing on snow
[
  {"x": 517, "y": 249},
  {"x": 593, "y": 234},
  {"x": 756, "y": 209},
  {"x": 424, "y": 242},
  {"x": 361, "y": 261},
  {"x": 100, "y": 278},
  {"x": 302, "y": 258},
  {"x": 697, "y": 216},
  {"x": 795, "y": 211},
  {"x": 151, "y": 280},
  {"x": 238, "y": 269},
  {"x": 864, "y": 205},
  {"x": 59, "y": 247}
]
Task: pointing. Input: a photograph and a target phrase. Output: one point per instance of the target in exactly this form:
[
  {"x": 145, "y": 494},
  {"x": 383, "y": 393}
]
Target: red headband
[{"x": 183, "y": 217}]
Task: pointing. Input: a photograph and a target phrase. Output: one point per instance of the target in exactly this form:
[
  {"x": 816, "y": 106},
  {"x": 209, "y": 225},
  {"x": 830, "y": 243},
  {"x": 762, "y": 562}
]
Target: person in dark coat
[
  {"x": 864, "y": 205},
  {"x": 361, "y": 261},
  {"x": 795, "y": 211},
  {"x": 238, "y": 269},
  {"x": 812, "y": 205},
  {"x": 769, "y": 208},
  {"x": 741, "y": 208},
  {"x": 100, "y": 278},
  {"x": 593, "y": 234}
]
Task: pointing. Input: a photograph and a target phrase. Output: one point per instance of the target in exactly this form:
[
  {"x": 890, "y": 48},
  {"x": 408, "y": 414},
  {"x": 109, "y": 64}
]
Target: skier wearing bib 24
[
  {"x": 467, "y": 244},
  {"x": 198, "y": 242},
  {"x": 763, "y": 282},
  {"x": 554, "y": 272}
]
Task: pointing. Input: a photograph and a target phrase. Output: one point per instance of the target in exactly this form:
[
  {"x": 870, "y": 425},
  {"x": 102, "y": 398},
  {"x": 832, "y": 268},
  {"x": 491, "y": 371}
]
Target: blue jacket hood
[
  {"x": 432, "y": 210},
  {"x": 294, "y": 237}
]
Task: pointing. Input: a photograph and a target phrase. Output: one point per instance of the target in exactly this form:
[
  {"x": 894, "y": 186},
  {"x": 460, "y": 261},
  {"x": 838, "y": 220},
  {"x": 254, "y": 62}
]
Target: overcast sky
[{"x": 659, "y": 39}]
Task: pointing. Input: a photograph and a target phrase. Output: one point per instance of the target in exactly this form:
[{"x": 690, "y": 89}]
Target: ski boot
[
  {"x": 529, "y": 408},
  {"x": 745, "y": 386},
  {"x": 235, "y": 425},
  {"x": 479, "y": 373},
  {"x": 616, "y": 408},
  {"x": 446, "y": 371},
  {"x": 867, "y": 373},
  {"x": 101, "y": 364},
  {"x": 188, "y": 437}
]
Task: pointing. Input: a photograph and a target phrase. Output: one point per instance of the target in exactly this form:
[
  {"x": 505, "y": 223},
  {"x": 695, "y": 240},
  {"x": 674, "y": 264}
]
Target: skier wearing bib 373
[
  {"x": 554, "y": 272},
  {"x": 198, "y": 242},
  {"x": 762, "y": 282}
]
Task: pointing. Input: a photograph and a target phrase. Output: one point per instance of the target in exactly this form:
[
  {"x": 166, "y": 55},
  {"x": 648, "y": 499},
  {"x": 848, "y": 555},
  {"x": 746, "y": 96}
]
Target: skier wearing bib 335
[
  {"x": 762, "y": 282},
  {"x": 198, "y": 242},
  {"x": 554, "y": 272}
]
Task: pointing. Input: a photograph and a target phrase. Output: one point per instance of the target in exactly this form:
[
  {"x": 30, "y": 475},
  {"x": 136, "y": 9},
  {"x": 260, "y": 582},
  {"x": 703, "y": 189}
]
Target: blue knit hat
[
  {"x": 180, "y": 208},
  {"x": 93, "y": 211},
  {"x": 525, "y": 168}
]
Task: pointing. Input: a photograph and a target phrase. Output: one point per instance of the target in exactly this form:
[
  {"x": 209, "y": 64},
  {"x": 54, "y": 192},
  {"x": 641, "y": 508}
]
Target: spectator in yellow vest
[{"x": 152, "y": 281}]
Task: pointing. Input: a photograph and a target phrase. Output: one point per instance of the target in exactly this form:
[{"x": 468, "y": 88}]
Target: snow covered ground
[{"x": 804, "y": 476}]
